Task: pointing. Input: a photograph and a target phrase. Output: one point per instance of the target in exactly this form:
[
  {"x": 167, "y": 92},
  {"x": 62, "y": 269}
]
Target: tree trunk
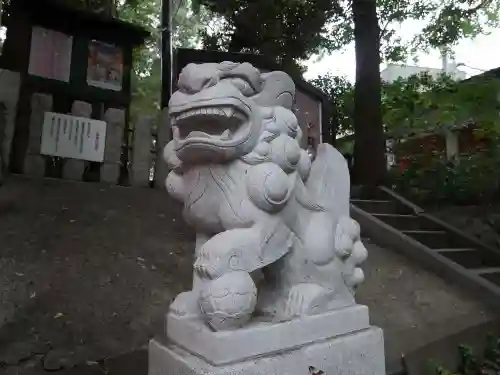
[{"x": 369, "y": 147}]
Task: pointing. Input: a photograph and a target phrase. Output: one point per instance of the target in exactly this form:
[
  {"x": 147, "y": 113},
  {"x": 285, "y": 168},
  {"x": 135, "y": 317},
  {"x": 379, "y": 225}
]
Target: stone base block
[
  {"x": 140, "y": 175},
  {"x": 263, "y": 338},
  {"x": 357, "y": 353},
  {"x": 73, "y": 169},
  {"x": 34, "y": 165},
  {"x": 110, "y": 172}
]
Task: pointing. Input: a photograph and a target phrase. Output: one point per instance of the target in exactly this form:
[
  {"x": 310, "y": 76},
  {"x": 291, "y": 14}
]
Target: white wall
[{"x": 394, "y": 71}]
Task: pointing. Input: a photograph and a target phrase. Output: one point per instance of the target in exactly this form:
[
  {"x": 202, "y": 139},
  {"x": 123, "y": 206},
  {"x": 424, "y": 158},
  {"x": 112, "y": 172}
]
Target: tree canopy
[
  {"x": 421, "y": 103},
  {"x": 285, "y": 30},
  {"x": 340, "y": 93}
]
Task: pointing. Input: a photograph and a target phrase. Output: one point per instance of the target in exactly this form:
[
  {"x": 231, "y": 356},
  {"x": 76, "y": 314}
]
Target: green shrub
[
  {"x": 470, "y": 179},
  {"x": 471, "y": 364}
]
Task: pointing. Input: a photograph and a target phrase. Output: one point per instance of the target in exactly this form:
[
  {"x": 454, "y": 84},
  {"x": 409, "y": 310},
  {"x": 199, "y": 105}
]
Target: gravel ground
[{"x": 87, "y": 272}]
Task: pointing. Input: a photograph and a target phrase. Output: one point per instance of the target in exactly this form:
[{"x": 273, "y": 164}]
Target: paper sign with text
[{"x": 73, "y": 137}]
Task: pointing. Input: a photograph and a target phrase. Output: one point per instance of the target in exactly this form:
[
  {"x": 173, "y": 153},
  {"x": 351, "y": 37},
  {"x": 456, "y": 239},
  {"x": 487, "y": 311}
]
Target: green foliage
[
  {"x": 471, "y": 179},
  {"x": 146, "y": 79},
  {"x": 285, "y": 30},
  {"x": 422, "y": 103},
  {"x": 340, "y": 92},
  {"x": 472, "y": 364},
  {"x": 452, "y": 20}
]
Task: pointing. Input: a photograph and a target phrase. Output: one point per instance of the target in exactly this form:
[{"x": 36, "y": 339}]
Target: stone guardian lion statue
[{"x": 274, "y": 238}]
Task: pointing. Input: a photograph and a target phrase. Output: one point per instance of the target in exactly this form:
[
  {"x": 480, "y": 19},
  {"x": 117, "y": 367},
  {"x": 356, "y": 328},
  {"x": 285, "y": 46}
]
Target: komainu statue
[{"x": 274, "y": 238}]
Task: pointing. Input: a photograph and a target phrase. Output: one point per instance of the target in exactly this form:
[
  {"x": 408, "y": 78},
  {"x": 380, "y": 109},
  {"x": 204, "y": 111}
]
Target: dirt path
[
  {"x": 87, "y": 271},
  {"x": 414, "y": 306}
]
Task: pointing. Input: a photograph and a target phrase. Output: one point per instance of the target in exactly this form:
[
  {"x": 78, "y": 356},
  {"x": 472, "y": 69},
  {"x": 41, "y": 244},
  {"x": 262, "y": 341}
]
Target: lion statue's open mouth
[{"x": 220, "y": 126}]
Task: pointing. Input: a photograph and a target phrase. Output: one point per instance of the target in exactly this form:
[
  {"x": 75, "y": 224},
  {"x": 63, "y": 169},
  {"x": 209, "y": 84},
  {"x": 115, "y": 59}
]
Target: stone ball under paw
[{"x": 228, "y": 302}]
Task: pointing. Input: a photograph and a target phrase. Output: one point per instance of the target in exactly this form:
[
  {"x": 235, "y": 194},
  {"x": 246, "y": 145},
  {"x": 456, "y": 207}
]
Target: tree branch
[
  {"x": 483, "y": 3},
  {"x": 391, "y": 18}
]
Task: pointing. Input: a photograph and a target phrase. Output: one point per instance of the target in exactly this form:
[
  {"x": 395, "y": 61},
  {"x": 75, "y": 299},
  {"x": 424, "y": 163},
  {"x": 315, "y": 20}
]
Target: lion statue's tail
[
  {"x": 331, "y": 231},
  {"x": 328, "y": 185}
]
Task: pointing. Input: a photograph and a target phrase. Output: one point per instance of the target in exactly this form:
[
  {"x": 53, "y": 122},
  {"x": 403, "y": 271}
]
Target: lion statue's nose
[{"x": 196, "y": 77}]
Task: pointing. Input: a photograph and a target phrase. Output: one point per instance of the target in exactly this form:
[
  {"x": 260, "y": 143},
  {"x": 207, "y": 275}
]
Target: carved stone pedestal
[{"x": 339, "y": 342}]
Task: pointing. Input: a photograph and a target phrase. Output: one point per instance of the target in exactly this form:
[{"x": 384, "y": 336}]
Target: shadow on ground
[{"x": 87, "y": 272}]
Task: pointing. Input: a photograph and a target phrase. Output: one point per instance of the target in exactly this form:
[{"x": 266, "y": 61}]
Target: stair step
[
  {"x": 470, "y": 258},
  {"x": 436, "y": 232},
  {"x": 455, "y": 250},
  {"x": 364, "y": 192},
  {"x": 404, "y": 221},
  {"x": 486, "y": 270},
  {"x": 379, "y": 206},
  {"x": 400, "y": 216},
  {"x": 453, "y": 247},
  {"x": 434, "y": 239},
  {"x": 371, "y": 200}
]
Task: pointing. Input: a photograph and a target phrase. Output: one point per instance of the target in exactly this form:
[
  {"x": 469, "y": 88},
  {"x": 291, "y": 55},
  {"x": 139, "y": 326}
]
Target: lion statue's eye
[{"x": 242, "y": 85}]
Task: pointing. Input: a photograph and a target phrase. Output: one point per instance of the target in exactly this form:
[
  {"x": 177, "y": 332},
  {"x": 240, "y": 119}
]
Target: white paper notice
[{"x": 73, "y": 137}]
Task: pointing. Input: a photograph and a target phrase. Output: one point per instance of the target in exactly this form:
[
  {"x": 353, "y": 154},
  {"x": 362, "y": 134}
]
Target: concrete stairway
[{"x": 392, "y": 221}]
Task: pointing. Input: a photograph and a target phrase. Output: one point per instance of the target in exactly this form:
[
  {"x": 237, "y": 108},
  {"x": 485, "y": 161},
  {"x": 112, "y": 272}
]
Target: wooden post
[{"x": 166, "y": 53}]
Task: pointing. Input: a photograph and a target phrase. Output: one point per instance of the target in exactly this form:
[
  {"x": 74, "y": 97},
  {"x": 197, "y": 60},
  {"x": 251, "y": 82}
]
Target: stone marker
[
  {"x": 141, "y": 154},
  {"x": 34, "y": 163},
  {"x": 115, "y": 119},
  {"x": 9, "y": 94},
  {"x": 164, "y": 136},
  {"x": 277, "y": 253}
]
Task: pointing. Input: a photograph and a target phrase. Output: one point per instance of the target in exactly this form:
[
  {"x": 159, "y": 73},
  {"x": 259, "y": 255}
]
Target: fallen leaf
[{"x": 58, "y": 315}]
